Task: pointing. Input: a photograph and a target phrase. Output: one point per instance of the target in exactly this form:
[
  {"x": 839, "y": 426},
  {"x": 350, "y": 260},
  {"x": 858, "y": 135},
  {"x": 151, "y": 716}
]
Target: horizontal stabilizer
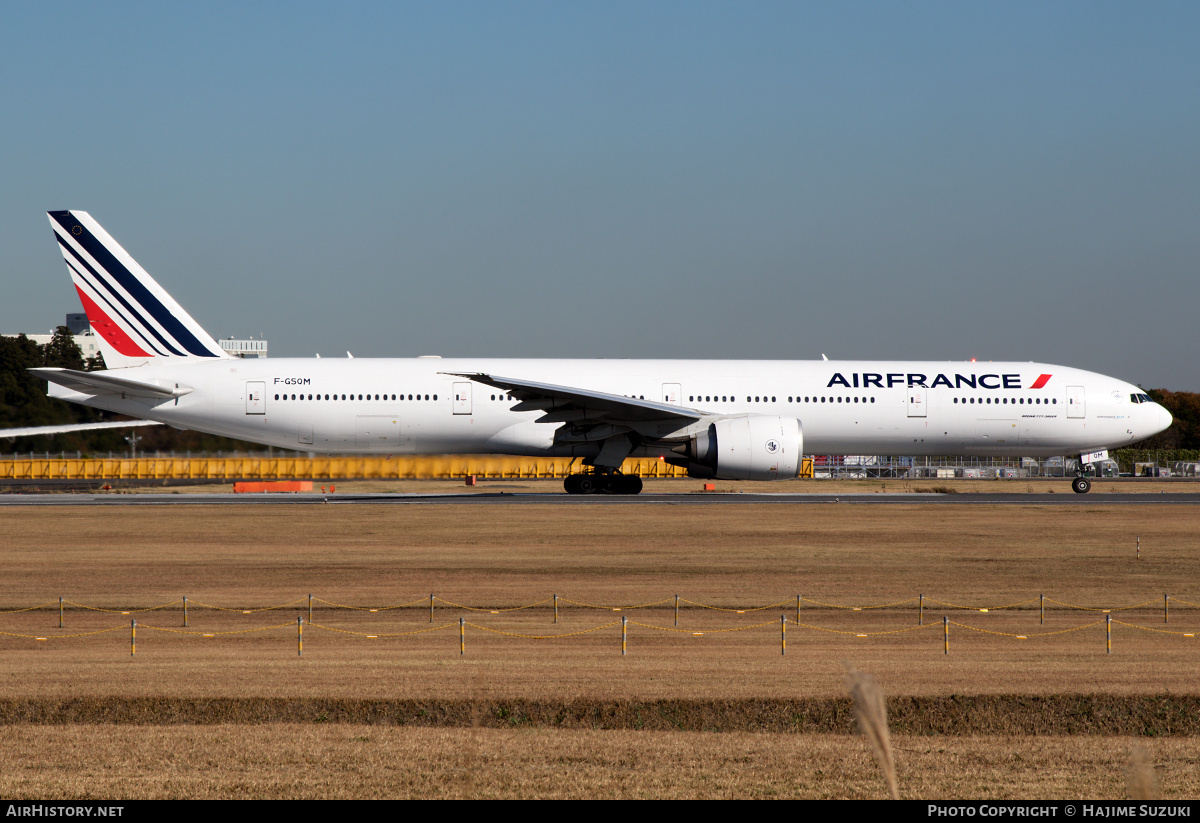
[
  {"x": 32, "y": 431},
  {"x": 99, "y": 382}
]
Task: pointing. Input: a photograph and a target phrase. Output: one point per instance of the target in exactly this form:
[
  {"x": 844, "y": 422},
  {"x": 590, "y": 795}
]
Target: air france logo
[
  {"x": 772, "y": 446},
  {"x": 910, "y": 380}
]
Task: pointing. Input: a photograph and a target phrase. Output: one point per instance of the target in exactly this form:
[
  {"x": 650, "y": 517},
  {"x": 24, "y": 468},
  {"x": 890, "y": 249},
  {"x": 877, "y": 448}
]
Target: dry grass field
[{"x": 716, "y": 714}]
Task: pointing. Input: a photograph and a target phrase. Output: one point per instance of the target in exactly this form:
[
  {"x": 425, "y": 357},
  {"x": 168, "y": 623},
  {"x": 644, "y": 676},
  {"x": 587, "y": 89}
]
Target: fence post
[
  {"x": 310, "y": 608},
  {"x": 782, "y": 634},
  {"x": 556, "y": 609},
  {"x": 676, "y": 610},
  {"x": 462, "y": 635},
  {"x": 431, "y": 607},
  {"x": 624, "y": 621},
  {"x": 798, "y": 599},
  {"x": 946, "y": 630},
  {"x": 1108, "y": 633},
  {"x": 60, "y": 613},
  {"x": 1166, "y": 599},
  {"x": 132, "y": 637},
  {"x": 1042, "y": 610},
  {"x": 920, "y": 610},
  {"x": 185, "y": 623},
  {"x": 299, "y": 636}
]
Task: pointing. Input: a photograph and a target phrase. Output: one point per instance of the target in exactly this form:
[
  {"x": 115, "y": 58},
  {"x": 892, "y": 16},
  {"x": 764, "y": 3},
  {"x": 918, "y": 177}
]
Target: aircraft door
[
  {"x": 671, "y": 393},
  {"x": 916, "y": 401},
  {"x": 1075, "y": 398},
  {"x": 256, "y": 397},
  {"x": 462, "y": 398}
]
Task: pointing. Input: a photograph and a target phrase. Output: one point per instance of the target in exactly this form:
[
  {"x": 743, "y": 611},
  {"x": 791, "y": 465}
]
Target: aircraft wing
[
  {"x": 30, "y": 431},
  {"x": 564, "y": 404},
  {"x": 102, "y": 382}
]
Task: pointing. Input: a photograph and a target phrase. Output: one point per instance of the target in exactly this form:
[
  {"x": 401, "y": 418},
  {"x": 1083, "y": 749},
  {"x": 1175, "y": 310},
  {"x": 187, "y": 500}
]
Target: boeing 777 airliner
[{"x": 735, "y": 420}]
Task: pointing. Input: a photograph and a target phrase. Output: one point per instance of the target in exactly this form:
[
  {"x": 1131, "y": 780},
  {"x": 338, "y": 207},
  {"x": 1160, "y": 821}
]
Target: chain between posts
[{"x": 625, "y": 622}]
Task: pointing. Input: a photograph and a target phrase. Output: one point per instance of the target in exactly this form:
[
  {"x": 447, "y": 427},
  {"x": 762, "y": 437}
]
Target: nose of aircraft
[{"x": 1162, "y": 419}]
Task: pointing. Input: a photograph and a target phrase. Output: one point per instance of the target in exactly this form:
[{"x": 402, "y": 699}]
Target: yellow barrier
[
  {"x": 406, "y": 467},
  {"x": 314, "y": 468}
]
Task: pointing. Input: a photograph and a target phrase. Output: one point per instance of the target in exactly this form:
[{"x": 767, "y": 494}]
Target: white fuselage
[{"x": 419, "y": 406}]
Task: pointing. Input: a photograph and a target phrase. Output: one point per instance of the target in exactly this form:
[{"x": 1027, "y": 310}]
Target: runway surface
[{"x": 560, "y": 499}]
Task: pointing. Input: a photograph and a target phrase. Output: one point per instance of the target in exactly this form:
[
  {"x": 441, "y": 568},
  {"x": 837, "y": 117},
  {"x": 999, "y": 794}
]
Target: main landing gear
[
  {"x": 1081, "y": 485},
  {"x": 601, "y": 482}
]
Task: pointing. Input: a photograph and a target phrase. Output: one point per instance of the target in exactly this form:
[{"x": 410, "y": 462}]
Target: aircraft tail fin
[{"x": 134, "y": 317}]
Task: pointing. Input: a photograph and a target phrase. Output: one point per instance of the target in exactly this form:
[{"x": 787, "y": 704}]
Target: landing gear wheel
[
  {"x": 617, "y": 483},
  {"x": 603, "y": 483},
  {"x": 1081, "y": 485}
]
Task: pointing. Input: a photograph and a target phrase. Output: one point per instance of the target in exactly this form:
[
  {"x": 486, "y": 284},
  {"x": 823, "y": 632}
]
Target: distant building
[
  {"x": 89, "y": 344},
  {"x": 78, "y": 324},
  {"x": 244, "y": 348}
]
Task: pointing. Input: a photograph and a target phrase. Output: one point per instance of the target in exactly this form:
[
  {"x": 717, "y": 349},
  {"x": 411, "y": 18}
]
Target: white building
[
  {"x": 244, "y": 348},
  {"x": 89, "y": 344}
]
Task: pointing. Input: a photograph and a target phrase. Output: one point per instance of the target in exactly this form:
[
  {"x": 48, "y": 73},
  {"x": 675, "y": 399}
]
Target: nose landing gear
[
  {"x": 1087, "y": 461},
  {"x": 603, "y": 482}
]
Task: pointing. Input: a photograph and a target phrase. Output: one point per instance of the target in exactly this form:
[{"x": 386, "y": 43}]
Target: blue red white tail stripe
[{"x": 130, "y": 312}]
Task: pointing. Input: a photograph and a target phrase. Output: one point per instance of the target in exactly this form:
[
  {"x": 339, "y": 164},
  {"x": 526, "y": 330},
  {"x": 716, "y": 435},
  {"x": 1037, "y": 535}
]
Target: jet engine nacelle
[{"x": 748, "y": 447}]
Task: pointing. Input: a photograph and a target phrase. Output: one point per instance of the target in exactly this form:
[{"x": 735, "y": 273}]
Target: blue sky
[{"x": 1014, "y": 181}]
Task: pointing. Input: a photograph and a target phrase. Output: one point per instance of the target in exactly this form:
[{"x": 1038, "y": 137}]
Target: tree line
[{"x": 24, "y": 402}]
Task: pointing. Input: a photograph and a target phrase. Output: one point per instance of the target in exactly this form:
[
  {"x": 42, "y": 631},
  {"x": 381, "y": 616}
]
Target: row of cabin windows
[
  {"x": 989, "y": 400},
  {"x": 832, "y": 400},
  {"x": 706, "y": 398},
  {"x": 370, "y": 397},
  {"x": 765, "y": 399},
  {"x": 351, "y": 397},
  {"x": 691, "y": 398},
  {"x": 1015, "y": 401}
]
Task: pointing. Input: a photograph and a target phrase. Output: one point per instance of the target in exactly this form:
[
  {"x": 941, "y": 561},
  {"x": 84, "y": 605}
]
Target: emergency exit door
[
  {"x": 462, "y": 398},
  {"x": 916, "y": 401},
  {"x": 1075, "y": 398},
  {"x": 256, "y": 398}
]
